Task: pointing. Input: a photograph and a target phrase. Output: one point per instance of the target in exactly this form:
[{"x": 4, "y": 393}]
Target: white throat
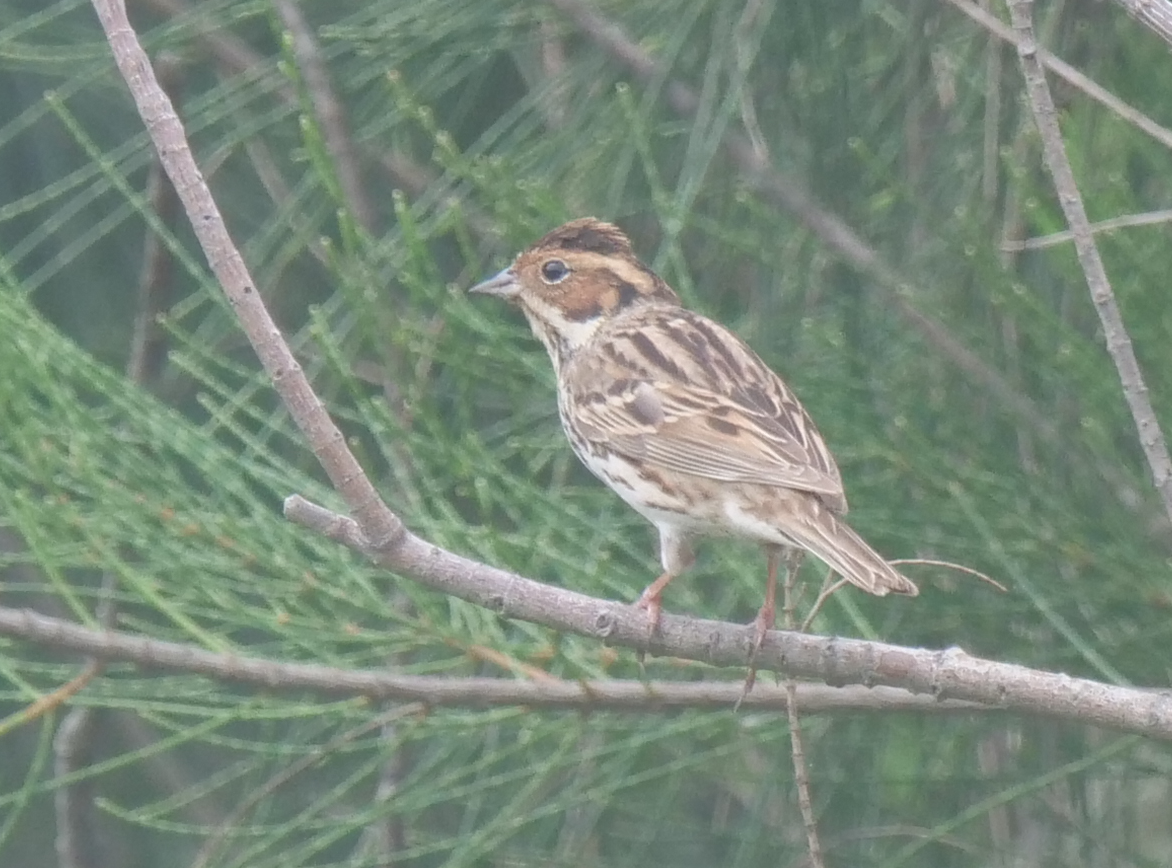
[{"x": 562, "y": 337}]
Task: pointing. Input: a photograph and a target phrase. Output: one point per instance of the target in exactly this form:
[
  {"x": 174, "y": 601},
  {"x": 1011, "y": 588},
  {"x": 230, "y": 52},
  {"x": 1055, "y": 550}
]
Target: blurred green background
[{"x": 473, "y": 129}]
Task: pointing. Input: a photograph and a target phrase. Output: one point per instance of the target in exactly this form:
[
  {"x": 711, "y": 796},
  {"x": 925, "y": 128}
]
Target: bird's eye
[{"x": 554, "y": 271}]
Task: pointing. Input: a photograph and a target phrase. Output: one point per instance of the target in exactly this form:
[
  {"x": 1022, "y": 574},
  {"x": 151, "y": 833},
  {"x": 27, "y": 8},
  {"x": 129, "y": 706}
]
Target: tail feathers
[{"x": 844, "y": 551}]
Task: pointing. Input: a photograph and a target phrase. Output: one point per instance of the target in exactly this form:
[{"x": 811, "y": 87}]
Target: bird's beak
[{"x": 503, "y": 285}]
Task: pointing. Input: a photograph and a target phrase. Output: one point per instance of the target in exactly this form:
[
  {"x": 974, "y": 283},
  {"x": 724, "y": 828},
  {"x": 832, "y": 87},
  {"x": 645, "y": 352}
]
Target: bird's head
[{"x": 574, "y": 280}]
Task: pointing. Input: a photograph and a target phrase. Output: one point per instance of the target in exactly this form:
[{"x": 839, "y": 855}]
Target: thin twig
[
  {"x": 329, "y": 113},
  {"x": 991, "y": 157},
  {"x": 156, "y": 285},
  {"x": 960, "y": 568},
  {"x": 1151, "y": 437},
  {"x": 72, "y": 805},
  {"x": 1070, "y": 75},
  {"x": 72, "y": 809},
  {"x": 1055, "y": 238},
  {"x": 829, "y": 588},
  {"x": 631, "y": 696},
  {"x": 793, "y": 563}
]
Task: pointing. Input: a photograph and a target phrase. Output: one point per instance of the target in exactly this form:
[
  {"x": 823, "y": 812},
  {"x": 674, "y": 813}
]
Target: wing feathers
[
  {"x": 833, "y": 542},
  {"x": 701, "y": 433}
]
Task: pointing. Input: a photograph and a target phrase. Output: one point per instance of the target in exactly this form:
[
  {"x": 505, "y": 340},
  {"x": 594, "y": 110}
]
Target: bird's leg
[
  {"x": 650, "y": 600},
  {"x": 767, "y": 614},
  {"x": 675, "y": 554}
]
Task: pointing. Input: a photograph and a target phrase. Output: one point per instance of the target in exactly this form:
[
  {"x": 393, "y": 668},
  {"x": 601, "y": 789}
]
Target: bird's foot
[
  {"x": 761, "y": 625},
  {"x": 649, "y": 602}
]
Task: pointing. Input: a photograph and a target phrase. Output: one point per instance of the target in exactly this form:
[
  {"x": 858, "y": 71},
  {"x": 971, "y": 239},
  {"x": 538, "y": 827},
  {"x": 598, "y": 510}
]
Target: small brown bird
[{"x": 677, "y": 415}]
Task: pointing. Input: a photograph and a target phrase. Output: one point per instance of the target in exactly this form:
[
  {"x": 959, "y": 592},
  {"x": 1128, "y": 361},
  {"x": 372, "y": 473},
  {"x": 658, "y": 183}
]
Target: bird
[{"x": 681, "y": 418}]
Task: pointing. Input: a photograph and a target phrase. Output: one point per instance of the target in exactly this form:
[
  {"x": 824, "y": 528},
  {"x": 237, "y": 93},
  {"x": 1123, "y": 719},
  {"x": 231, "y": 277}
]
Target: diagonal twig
[
  {"x": 329, "y": 113},
  {"x": 1069, "y": 74},
  {"x": 1151, "y": 437},
  {"x": 378, "y": 523}
]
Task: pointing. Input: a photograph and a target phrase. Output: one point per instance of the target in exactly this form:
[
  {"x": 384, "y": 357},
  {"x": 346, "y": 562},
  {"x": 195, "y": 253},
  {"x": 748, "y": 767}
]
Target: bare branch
[
  {"x": 1151, "y": 218},
  {"x": 1070, "y": 75},
  {"x": 377, "y": 521},
  {"x": 468, "y": 692},
  {"x": 952, "y": 673},
  {"x": 1151, "y": 437},
  {"x": 931, "y": 680}
]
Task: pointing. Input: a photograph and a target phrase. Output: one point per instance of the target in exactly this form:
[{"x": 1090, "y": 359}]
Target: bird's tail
[{"x": 832, "y": 541}]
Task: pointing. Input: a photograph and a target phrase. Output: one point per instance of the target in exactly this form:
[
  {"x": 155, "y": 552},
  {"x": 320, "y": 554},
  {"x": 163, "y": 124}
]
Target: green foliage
[{"x": 498, "y": 120}]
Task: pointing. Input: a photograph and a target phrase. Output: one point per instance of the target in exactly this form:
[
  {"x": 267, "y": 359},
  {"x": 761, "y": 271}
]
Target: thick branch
[
  {"x": 950, "y": 674},
  {"x": 475, "y": 692}
]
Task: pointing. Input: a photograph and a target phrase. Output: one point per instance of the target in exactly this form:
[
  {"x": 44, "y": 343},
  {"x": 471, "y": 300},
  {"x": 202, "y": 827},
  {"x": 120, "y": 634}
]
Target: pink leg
[
  {"x": 650, "y": 600},
  {"x": 766, "y": 617},
  {"x": 676, "y": 556}
]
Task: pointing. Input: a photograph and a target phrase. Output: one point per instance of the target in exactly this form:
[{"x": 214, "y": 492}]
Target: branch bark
[
  {"x": 652, "y": 697},
  {"x": 950, "y": 674}
]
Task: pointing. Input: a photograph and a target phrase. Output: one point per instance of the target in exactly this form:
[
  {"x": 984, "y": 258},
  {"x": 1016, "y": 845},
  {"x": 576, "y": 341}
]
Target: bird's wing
[{"x": 703, "y": 433}]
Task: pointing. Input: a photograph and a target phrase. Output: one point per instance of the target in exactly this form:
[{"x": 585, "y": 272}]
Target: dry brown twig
[
  {"x": 631, "y": 696},
  {"x": 1151, "y": 437},
  {"x": 329, "y": 114},
  {"x": 1151, "y": 218},
  {"x": 1069, "y": 74},
  {"x": 792, "y": 704}
]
